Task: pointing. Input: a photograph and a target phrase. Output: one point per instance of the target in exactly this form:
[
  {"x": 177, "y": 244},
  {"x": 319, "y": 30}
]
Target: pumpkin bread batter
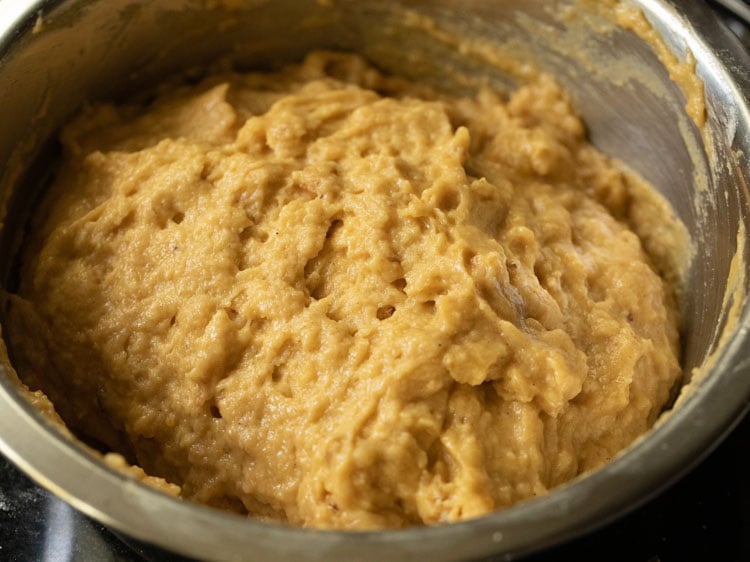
[{"x": 332, "y": 298}]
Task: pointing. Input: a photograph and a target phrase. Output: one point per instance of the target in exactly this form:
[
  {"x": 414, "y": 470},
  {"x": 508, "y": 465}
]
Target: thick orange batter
[{"x": 327, "y": 297}]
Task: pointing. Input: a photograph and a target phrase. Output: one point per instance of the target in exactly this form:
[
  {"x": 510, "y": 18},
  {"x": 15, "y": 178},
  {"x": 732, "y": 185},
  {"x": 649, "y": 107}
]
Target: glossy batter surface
[{"x": 328, "y": 297}]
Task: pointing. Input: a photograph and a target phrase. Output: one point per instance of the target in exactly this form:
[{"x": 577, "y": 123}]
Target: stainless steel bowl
[{"x": 56, "y": 54}]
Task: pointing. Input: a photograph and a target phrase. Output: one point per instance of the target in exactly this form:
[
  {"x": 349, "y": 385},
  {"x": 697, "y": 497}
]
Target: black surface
[{"x": 36, "y": 526}]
